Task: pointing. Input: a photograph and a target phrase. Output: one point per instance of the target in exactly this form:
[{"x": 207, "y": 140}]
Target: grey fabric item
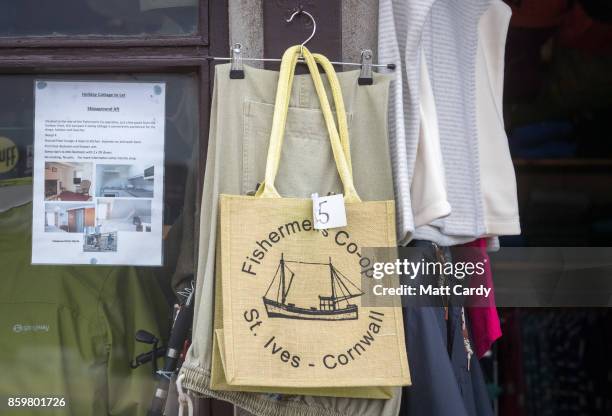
[
  {"x": 400, "y": 24},
  {"x": 432, "y": 233},
  {"x": 239, "y": 133},
  {"x": 497, "y": 176},
  {"x": 447, "y": 31},
  {"x": 450, "y": 41}
]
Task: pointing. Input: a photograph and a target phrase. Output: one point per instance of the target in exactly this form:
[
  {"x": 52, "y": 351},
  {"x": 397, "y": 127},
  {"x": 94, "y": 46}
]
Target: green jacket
[{"x": 68, "y": 331}]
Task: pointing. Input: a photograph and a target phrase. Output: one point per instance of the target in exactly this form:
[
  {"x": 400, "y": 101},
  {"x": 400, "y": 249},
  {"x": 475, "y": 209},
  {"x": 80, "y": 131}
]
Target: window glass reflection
[{"x": 98, "y": 17}]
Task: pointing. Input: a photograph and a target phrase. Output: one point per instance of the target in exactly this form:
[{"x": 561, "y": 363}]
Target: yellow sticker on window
[{"x": 9, "y": 154}]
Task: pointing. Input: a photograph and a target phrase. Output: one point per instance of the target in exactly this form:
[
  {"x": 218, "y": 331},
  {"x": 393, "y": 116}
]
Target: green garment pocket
[{"x": 307, "y": 164}]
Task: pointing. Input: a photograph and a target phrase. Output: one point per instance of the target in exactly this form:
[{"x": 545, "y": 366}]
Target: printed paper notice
[{"x": 98, "y": 173}]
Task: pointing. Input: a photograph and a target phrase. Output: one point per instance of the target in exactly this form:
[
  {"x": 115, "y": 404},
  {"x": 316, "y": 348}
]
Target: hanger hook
[{"x": 314, "y": 23}]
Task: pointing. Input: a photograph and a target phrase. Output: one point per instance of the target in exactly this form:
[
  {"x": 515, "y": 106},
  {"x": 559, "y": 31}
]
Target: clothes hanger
[{"x": 236, "y": 58}]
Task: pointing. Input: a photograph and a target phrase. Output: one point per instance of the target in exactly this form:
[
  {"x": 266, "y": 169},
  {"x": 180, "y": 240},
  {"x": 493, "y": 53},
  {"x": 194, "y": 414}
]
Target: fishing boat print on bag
[{"x": 335, "y": 307}]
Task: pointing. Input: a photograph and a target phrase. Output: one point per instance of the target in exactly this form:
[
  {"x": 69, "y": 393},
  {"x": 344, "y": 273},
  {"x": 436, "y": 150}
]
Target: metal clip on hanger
[
  {"x": 365, "y": 77},
  {"x": 236, "y": 68}
]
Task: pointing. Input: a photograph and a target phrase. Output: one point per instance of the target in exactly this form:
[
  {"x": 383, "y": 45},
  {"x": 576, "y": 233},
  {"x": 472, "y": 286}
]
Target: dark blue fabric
[
  {"x": 470, "y": 381},
  {"x": 441, "y": 382}
]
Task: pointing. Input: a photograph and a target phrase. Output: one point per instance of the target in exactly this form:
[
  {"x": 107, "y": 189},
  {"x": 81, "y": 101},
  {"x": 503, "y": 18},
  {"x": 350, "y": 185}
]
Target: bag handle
[
  {"x": 281, "y": 108},
  {"x": 334, "y": 84},
  {"x": 336, "y": 90}
]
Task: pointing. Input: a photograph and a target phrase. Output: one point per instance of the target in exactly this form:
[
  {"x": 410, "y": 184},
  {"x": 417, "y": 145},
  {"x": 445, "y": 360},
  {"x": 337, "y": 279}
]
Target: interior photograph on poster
[{"x": 98, "y": 172}]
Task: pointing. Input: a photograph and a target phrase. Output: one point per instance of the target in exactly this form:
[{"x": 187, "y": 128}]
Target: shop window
[{"x": 98, "y": 17}]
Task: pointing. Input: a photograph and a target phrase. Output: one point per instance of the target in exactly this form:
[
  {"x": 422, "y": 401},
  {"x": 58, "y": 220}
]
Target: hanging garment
[
  {"x": 68, "y": 331},
  {"x": 479, "y": 171},
  {"x": 241, "y": 121},
  {"x": 469, "y": 377},
  {"x": 483, "y": 317},
  {"x": 497, "y": 178},
  {"x": 400, "y": 25},
  {"x": 445, "y": 380},
  {"x": 430, "y": 123},
  {"x": 450, "y": 40},
  {"x": 428, "y": 186}
]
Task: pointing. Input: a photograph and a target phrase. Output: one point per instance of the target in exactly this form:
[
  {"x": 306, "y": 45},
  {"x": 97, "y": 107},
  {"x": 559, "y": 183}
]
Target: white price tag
[{"x": 328, "y": 211}]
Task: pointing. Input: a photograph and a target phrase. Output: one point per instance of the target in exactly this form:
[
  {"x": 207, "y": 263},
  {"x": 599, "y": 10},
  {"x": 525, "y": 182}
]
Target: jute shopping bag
[
  {"x": 218, "y": 380},
  {"x": 292, "y": 313}
]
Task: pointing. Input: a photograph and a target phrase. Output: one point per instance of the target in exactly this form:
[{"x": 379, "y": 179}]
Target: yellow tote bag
[
  {"x": 218, "y": 381},
  {"x": 291, "y": 308}
]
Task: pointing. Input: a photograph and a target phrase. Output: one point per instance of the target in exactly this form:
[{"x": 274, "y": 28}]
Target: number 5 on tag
[{"x": 328, "y": 211}]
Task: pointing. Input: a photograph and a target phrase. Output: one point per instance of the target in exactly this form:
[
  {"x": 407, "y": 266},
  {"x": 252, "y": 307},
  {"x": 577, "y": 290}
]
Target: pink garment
[{"x": 483, "y": 317}]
